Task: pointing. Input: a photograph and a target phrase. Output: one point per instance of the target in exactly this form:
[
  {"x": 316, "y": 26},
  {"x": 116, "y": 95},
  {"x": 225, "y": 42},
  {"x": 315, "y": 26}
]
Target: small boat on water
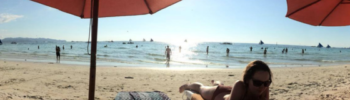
[
  {"x": 226, "y": 43},
  {"x": 185, "y": 40},
  {"x": 151, "y": 40},
  {"x": 130, "y": 42},
  {"x": 261, "y": 42},
  {"x": 319, "y": 45},
  {"x": 124, "y": 42},
  {"x": 328, "y": 46},
  {"x": 13, "y": 42},
  {"x": 144, "y": 40}
]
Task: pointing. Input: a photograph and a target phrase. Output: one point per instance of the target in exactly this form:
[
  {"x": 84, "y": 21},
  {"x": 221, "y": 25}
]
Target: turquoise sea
[{"x": 192, "y": 55}]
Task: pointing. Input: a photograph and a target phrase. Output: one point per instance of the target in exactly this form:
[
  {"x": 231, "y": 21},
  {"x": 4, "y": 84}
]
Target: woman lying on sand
[{"x": 257, "y": 78}]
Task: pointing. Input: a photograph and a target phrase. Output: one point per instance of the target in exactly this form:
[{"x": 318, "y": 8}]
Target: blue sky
[{"x": 237, "y": 21}]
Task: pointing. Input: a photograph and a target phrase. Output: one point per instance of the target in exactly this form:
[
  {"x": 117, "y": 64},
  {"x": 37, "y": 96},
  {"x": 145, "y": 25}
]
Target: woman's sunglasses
[{"x": 258, "y": 83}]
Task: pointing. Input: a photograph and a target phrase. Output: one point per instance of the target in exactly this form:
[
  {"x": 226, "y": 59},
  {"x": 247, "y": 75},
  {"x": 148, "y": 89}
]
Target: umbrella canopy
[
  {"x": 320, "y": 12},
  {"x": 104, "y": 8},
  {"x": 108, "y": 8}
]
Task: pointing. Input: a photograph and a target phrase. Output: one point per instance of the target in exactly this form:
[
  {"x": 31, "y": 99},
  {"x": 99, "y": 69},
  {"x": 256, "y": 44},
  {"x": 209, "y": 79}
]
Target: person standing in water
[
  {"x": 137, "y": 46},
  {"x": 302, "y": 51},
  {"x": 265, "y": 51},
  {"x": 38, "y": 47},
  {"x": 207, "y": 50},
  {"x": 180, "y": 49},
  {"x": 286, "y": 50},
  {"x": 168, "y": 53},
  {"x": 251, "y": 48},
  {"x": 63, "y": 47},
  {"x": 71, "y": 47},
  {"x": 227, "y": 52},
  {"x": 58, "y": 55}
]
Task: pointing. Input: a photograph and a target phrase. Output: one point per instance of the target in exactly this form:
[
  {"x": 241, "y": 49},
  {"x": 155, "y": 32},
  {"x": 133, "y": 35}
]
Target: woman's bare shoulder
[
  {"x": 238, "y": 91},
  {"x": 239, "y": 84}
]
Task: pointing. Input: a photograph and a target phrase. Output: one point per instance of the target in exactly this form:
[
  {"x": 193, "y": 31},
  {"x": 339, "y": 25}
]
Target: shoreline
[
  {"x": 114, "y": 64},
  {"x": 30, "y": 80}
]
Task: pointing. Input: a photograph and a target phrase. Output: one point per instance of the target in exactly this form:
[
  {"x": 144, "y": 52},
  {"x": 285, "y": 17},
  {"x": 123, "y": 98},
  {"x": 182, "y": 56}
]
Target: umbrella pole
[{"x": 93, "y": 51}]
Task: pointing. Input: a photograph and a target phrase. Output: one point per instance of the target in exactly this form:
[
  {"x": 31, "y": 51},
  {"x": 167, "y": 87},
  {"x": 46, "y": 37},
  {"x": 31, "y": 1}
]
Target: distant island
[{"x": 31, "y": 40}]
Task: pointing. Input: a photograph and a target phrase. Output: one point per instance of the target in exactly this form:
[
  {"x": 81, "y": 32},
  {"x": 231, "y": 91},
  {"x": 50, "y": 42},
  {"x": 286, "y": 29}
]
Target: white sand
[{"x": 29, "y": 80}]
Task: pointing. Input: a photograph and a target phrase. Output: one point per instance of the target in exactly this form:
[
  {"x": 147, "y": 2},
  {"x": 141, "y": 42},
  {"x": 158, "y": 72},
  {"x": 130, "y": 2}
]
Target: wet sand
[{"x": 30, "y": 80}]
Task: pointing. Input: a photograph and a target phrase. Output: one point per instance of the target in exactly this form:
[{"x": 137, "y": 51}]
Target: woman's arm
[{"x": 238, "y": 91}]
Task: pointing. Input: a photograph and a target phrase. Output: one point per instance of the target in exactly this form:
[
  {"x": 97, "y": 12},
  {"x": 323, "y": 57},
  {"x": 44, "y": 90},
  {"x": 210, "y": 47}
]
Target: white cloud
[{"x": 5, "y": 18}]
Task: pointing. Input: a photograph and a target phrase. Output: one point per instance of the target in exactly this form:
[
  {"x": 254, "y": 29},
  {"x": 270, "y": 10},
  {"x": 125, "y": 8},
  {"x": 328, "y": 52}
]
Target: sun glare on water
[{"x": 183, "y": 51}]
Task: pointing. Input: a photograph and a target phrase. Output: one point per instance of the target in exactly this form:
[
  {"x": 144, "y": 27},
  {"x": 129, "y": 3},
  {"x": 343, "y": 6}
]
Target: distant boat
[
  {"x": 130, "y": 42},
  {"x": 226, "y": 43},
  {"x": 328, "y": 46},
  {"x": 151, "y": 40},
  {"x": 111, "y": 40},
  {"x": 261, "y": 42},
  {"x": 13, "y": 42},
  {"x": 124, "y": 42},
  {"x": 0, "y": 42},
  {"x": 319, "y": 45},
  {"x": 144, "y": 40},
  {"x": 185, "y": 40}
]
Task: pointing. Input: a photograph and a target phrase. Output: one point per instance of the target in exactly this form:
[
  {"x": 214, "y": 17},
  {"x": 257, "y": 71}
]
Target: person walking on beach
[
  {"x": 207, "y": 50},
  {"x": 58, "y": 55},
  {"x": 251, "y": 48},
  {"x": 227, "y": 52},
  {"x": 168, "y": 53}
]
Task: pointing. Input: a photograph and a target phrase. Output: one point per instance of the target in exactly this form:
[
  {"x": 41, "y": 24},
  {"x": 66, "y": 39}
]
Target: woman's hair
[{"x": 253, "y": 67}]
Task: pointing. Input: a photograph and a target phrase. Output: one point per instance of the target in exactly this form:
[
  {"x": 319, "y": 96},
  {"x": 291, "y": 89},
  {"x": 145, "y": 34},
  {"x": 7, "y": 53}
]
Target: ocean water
[{"x": 152, "y": 54}]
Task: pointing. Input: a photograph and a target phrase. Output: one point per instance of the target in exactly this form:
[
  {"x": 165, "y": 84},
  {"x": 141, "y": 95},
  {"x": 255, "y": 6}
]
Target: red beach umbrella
[
  {"x": 104, "y": 8},
  {"x": 320, "y": 12}
]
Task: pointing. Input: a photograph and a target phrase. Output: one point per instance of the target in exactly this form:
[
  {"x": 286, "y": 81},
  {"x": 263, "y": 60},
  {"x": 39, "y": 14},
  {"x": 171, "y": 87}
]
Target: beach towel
[
  {"x": 136, "y": 95},
  {"x": 192, "y": 96}
]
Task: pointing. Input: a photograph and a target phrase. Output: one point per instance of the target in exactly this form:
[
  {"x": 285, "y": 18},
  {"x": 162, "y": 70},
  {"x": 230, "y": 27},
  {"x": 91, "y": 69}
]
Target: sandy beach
[{"x": 47, "y": 81}]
